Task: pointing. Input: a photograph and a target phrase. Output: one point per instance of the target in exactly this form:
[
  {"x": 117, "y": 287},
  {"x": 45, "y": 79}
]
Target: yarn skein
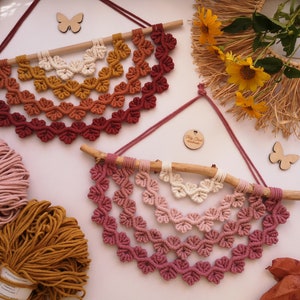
[
  {"x": 14, "y": 182},
  {"x": 47, "y": 248}
]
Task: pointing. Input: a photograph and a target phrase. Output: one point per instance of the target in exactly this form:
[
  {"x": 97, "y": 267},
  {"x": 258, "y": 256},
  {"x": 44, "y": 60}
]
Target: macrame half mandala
[
  {"x": 252, "y": 209},
  {"x": 64, "y": 89},
  {"x": 64, "y": 70},
  {"x": 164, "y": 43},
  {"x": 116, "y": 99}
]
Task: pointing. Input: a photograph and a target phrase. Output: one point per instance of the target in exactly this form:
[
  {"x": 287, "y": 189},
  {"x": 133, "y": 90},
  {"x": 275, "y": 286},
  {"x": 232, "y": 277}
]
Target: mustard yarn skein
[
  {"x": 47, "y": 248},
  {"x": 14, "y": 182}
]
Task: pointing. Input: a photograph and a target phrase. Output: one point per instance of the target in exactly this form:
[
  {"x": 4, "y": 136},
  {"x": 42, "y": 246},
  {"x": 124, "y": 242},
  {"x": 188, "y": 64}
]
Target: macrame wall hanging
[
  {"x": 251, "y": 206},
  {"x": 242, "y": 71},
  {"x": 240, "y": 223},
  {"x": 136, "y": 92},
  {"x": 43, "y": 252}
]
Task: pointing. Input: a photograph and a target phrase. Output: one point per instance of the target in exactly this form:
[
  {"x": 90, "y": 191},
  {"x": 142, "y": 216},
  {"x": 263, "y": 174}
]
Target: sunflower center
[
  {"x": 204, "y": 29},
  {"x": 247, "y": 73}
]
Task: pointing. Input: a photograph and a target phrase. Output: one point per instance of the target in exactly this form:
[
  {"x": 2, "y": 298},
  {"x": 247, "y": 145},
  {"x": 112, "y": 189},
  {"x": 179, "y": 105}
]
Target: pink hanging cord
[
  {"x": 129, "y": 15},
  {"x": 156, "y": 126},
  {"x": 18, "y": 25},
  {"x": 201, "y": 93}
]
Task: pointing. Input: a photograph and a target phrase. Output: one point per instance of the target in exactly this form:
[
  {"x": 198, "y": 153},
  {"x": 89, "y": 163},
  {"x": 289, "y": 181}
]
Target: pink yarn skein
[{"x": 14, "y": 182}]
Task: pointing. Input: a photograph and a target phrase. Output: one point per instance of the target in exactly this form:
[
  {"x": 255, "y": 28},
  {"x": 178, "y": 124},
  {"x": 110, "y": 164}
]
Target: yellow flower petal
[{"x": 254, "y": 110}]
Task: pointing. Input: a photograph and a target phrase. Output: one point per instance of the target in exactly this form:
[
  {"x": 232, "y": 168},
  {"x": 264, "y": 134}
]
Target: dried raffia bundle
[
  {"x": 286, "y": 271},
  {"x": 43, "y": 255},
  {"x": 14, "y": 182},
  {"x": 250, "y": 60}
]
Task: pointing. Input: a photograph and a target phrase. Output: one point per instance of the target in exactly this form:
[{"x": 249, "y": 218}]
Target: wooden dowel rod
[
  {"x": 156, "y": 166},
  {"x": 89, "y": 44}
]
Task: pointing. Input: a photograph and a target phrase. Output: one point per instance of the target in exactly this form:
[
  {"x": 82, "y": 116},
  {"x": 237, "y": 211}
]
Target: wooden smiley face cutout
[{"x": 285, "y": 161}]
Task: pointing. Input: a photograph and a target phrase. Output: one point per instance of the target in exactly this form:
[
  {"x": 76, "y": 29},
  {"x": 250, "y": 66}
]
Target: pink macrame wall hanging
[{"x": 221, "y": 226}]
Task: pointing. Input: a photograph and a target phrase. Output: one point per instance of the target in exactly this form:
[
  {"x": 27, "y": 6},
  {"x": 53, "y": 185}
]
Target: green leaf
[
  {"x": 262, "y": 23},
  {"x": 291, "y": 72},
  {"x": 289, "y": 40},
  {"x": 271, "y": 65},
  {"x": 259, "y": 43},
  {"x": 238, "y": 25},
  {"x": 277, "y": 22}
]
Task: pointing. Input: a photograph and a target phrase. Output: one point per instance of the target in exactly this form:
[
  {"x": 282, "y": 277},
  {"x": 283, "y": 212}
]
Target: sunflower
[
  {"x": 246, "y": 75},
  {"x": 218, "y": 52},
  {"x": 209, "y": 26},
  {"x": 254, "y": 110}
]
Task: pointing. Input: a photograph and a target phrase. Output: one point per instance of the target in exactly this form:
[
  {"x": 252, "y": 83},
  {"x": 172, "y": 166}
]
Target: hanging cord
[
  {"x": 156, "y": 126},
  {"x": 255, "y": 173},
  {"x": 139, "y": 21},
  {"x": 201, "y": 93},
  {"x": 129, "y": 15},
  {"x": 18, "y": 25}
]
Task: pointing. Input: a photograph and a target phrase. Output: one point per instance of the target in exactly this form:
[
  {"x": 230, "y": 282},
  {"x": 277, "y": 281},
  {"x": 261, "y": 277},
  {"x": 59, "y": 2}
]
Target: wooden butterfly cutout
[
  {"x": 64, "y": 24},
  {"x": 285, "y": 161}
]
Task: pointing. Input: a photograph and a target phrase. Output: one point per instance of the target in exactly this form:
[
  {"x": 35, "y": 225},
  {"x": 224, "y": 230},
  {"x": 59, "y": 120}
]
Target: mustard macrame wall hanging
[
  {"x": 143, "y": 97},
  {"x": 233, "y": 48}
]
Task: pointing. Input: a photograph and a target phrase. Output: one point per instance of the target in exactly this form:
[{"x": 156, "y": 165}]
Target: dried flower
[
  {"x": 286, "y": 271},
  {"x": 209, "y": 26},
  {"x": 218, "y": 51},
  {"x": 254, "y": 110},
  {"x": 246, "y": 75}
]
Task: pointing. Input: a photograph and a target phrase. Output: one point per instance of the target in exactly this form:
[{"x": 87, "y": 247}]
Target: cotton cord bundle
[
  {"x": 46, "y": 248},
  {"x": 14, "y": 182}
]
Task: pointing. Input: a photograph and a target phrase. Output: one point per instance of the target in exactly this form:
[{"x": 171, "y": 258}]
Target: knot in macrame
[
  {"x": 197, "y": 193},
  {"x": 201, "y": 89}
]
